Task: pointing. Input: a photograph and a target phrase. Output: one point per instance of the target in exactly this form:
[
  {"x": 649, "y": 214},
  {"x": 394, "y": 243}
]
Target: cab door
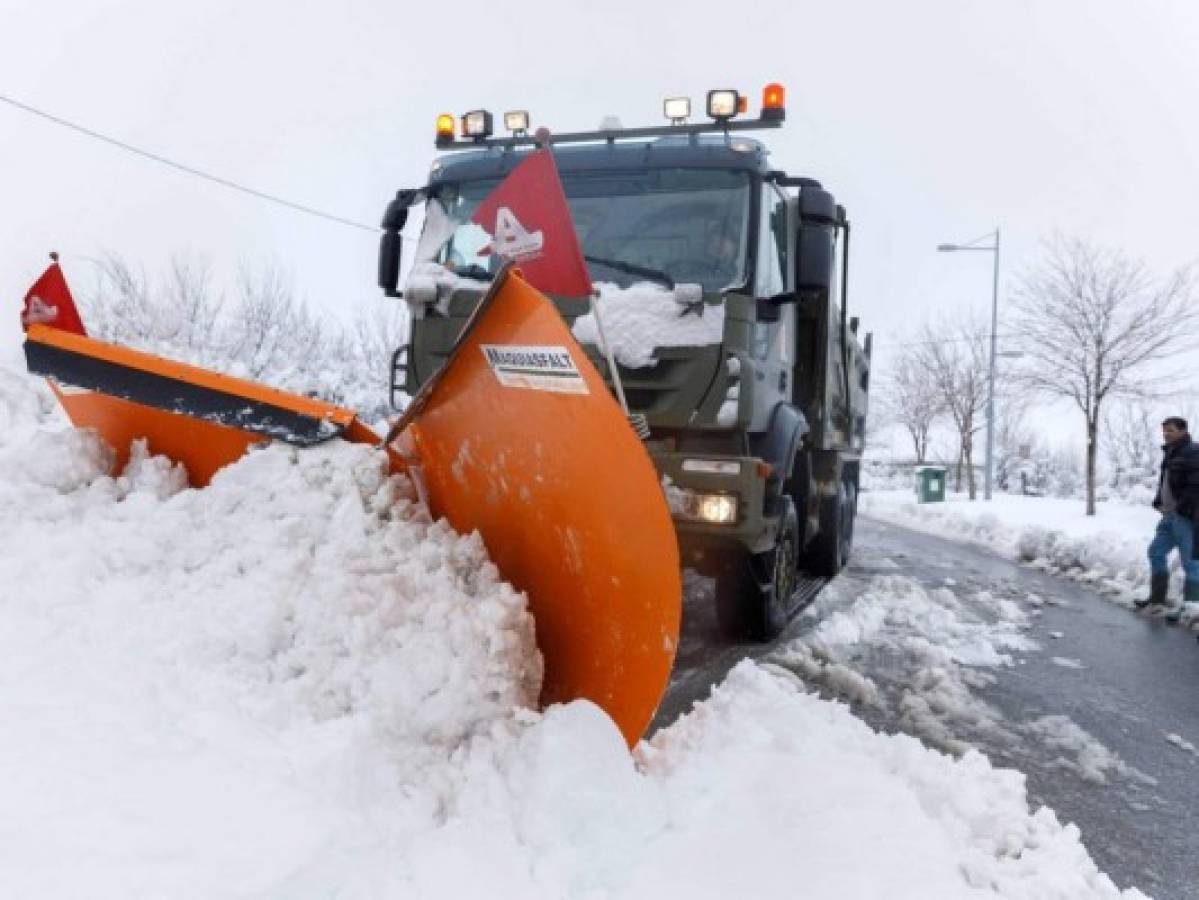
[{"x": 774, "y": 342}]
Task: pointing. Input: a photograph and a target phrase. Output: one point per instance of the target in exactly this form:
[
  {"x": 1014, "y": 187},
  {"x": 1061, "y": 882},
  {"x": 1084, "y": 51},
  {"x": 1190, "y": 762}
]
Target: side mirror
[
  {"x": 391, "y": 244},
  {"x": 815, "y": 242}
]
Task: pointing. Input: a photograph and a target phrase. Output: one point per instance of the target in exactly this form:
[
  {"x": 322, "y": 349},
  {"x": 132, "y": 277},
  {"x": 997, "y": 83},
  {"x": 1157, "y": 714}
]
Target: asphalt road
[{"x": 1132, "y": 681}]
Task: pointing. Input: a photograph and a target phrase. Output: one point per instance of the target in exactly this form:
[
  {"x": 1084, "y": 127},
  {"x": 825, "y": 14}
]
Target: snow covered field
[
  {"x": 1106, "y": 550},
  {"x": 294, "y": 684}
]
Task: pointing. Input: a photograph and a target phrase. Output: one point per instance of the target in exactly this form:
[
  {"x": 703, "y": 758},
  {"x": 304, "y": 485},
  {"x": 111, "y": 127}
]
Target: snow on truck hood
[
  {"x": 637, "y": 320},
  {"x": 293, "y": 683}
]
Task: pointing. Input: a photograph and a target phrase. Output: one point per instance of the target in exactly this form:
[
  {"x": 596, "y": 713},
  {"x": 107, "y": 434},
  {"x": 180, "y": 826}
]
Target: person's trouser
[{"x": 1174, "y": 532}]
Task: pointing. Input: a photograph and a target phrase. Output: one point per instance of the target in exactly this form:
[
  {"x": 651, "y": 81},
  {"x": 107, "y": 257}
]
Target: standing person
[{"x": 1177, "y": 499}]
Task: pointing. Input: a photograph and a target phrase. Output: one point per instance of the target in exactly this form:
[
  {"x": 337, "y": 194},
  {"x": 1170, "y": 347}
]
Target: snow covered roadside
[
  {"x": 1106, "y": 550},
  {"x": 293, "y": 683}
]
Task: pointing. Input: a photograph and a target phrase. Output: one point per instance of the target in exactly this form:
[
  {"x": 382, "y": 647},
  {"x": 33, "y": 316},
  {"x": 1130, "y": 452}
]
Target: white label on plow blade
[{"x": 535, "y": 368}]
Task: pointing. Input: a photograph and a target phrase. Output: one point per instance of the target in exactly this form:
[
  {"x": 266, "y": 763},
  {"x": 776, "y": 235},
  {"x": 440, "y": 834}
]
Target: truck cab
[{"x": 721, "y": 291}]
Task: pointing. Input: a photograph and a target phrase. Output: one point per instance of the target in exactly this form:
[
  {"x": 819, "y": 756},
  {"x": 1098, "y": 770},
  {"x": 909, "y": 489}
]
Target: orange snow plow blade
[
  {"x": 519, "y": 438},
  {"x": 516, "y": 437}
]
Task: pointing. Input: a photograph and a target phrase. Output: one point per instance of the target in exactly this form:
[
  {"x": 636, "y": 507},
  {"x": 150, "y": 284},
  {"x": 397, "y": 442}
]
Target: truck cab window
[{"x": 690, "y": 224}]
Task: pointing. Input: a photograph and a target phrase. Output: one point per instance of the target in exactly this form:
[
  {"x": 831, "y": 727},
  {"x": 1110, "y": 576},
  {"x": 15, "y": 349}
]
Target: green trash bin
[{"x": 930, "y": 484}]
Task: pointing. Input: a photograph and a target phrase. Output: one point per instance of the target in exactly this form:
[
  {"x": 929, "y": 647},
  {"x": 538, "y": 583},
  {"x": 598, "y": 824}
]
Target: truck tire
[
  {"x": 753, "y": 591},
  {"x": 829, "y": 550}
]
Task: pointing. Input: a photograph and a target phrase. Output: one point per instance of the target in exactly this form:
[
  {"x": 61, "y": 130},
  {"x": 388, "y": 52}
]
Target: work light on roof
[
  {"x": 724, "y": 104},
  {"x": 677, "y": 109},
  {"x": 517, "y": 121},
  {"x": 477, "y": 124}
]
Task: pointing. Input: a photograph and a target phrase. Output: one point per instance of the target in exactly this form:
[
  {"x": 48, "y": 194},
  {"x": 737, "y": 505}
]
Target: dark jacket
[{"x": 1180, "y": 463}]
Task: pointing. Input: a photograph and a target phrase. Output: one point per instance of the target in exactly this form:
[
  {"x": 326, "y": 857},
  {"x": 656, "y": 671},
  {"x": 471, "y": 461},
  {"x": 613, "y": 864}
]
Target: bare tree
[
  {"x": 120, "y": 307},
  {"x": 1093, "y": 325},
  {"x": 262, "y": 330},
  {"x": 911, "y": 399},
  {"x": 955, "y": 356}
]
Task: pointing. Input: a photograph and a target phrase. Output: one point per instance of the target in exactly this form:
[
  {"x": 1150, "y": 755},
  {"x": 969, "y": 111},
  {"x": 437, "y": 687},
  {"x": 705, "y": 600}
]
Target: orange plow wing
[
  {"x": 516, "y": 437},
  {"x": 191, "y": 415}
]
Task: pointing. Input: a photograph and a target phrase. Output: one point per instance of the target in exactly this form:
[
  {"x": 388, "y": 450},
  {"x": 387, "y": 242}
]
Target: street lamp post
[{"x": 988, "y": 248}]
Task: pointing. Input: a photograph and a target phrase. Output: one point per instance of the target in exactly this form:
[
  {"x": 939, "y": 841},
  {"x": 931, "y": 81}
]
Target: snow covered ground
[
  {"x": 294, "y": 684},
  {"x": 1106, "y": 550}
]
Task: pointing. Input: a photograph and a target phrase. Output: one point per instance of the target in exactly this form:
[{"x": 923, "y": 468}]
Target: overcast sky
[{"x": 930, "y": 121}]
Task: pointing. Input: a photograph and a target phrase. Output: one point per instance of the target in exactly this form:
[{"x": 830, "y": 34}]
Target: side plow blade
[
  {"x": 191, "y": 415},
  {"x": 516, "y": 437}
]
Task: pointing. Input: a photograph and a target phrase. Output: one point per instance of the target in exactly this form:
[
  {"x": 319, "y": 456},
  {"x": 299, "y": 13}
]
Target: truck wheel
[
  {"x": 827, "y": 553},
  {"x": 753, "y": 591}
]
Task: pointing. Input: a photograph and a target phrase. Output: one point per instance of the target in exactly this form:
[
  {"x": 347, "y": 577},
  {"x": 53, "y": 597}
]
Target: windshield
[{"x": 689, "y": 225}]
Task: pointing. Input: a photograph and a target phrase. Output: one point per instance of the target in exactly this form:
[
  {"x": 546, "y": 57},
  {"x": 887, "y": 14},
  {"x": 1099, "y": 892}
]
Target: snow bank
[
  {"x": 293, "y": 683},
  {"x": 641, "y": 318},
  {"x": 1106, "y": 550}
]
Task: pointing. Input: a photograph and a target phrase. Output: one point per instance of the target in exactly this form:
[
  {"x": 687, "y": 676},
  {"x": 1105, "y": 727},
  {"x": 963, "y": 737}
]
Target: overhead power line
[{"x": 190, "y": 170}]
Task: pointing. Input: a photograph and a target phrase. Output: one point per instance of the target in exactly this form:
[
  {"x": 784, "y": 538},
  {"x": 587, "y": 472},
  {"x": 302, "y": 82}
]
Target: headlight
[{"x": 716, "y": 509}]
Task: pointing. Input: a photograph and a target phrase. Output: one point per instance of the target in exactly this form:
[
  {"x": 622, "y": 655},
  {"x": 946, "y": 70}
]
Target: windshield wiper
[
  {"x": 474, "y": 271},
  {"x": 631, "y": 269}
]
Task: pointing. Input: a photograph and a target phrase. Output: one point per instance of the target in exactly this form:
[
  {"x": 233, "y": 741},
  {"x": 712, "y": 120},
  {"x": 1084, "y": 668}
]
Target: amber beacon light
[
  {"x": 445, "y": 128},
  {"x": 774, "y": 98}
]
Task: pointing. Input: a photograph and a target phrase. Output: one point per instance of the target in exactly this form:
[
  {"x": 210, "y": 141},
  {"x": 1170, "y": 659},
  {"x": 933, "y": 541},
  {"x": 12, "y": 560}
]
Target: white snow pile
[
  {"x": 639, "y": 319},
  {"x": 1106, "y": 551},
  {"x": 292, "y": 683}
]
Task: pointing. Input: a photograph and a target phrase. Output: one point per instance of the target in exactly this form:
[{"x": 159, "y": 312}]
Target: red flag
[
  {"x": 49, "y": 302},
  {"x": 529, "y": 223}
]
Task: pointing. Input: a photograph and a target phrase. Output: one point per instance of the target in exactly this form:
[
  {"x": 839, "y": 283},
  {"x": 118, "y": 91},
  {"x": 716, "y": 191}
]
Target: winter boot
[
  {"x": 1189, "y": 609},
  {"x": 1158, "y": 585}
]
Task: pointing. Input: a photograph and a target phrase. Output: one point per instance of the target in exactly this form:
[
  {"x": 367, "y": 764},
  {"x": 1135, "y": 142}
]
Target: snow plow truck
[
  {"x": 584, "y": 476},
  {"x": 754, "y": 422}
]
